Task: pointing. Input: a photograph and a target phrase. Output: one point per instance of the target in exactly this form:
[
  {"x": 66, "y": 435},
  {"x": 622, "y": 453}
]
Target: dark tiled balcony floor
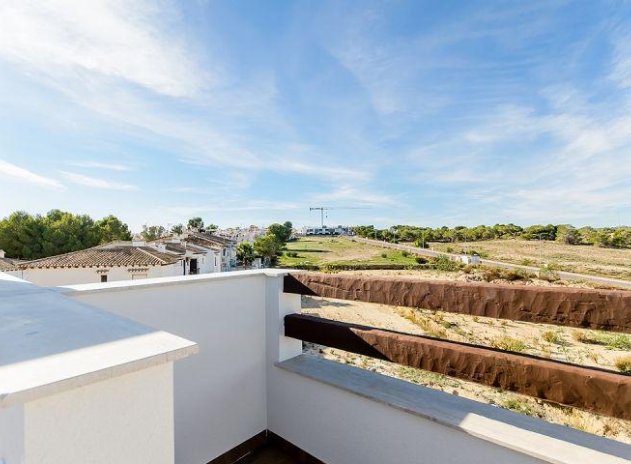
[{"x": 271, "y": 455}]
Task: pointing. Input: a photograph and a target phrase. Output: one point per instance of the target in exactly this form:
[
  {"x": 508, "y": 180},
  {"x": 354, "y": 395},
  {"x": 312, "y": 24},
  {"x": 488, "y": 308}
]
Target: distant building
[
  {"x": 326, "y": 230},
  {"x": 103, "y": 263},
  {"x": 470, "y": 259}
]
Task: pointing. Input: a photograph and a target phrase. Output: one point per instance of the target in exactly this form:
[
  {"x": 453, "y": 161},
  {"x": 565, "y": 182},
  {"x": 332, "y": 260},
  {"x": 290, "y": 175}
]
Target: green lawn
[{"x": 341, "y": 251}]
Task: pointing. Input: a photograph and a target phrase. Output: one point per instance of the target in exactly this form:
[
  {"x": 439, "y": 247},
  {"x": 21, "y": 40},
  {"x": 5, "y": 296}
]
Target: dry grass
[
  {"x": 624, "y": 364},
  {"x": 606, "y": 262}
]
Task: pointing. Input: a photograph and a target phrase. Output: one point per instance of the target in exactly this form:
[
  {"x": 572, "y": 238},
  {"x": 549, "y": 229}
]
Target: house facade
[{"x": 104, "y": 263}]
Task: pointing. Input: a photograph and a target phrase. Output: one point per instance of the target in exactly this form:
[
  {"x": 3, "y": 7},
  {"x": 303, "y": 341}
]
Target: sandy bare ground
[
  {"x": 541, "y": 340},
  {"x": 572, "y": 258}
]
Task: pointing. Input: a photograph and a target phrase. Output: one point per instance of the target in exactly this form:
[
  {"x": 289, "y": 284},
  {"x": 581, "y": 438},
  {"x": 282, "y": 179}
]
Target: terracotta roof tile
[{"x": 106, "y": 256}]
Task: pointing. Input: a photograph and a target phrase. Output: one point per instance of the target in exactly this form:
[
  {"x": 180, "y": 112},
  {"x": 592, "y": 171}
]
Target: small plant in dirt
[
  {"x": 384, "y": 255},
  {"x": 624, "y": 364},
  {"x": 420, "y": 260},
  {"x": 553, "y": 336},
  {"x": 405, "y": 254},
  {"x": 520, "y": 406},
  {"x": 619, "y": 342},
  {"x": 489, "y": 275},
  {"x": 508, "y": 343},
  {"x": 549, "y": 274}
]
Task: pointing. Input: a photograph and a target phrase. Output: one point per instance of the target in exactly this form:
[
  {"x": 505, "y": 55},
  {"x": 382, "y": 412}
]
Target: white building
[
  {"x": 326, "y": 230},
  {"x": 470, "y": 259},
  {"x": 103, "y": 263},
  {"x": 226, "y": 246},
  {"x": 196, "y": 259}
]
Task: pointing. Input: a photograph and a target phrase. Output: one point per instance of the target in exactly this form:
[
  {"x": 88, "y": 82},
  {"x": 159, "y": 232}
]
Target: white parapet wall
[
  {"x": 220, "y": 394},
  {"x": 81, "y": 385},
  {"x": 249, "y": 378}
]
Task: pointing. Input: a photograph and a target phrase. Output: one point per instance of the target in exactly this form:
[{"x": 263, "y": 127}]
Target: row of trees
[
  {"x": 26, "y": 236},
  {"x": 150, "y": 233},
  {"x": 268, "y": 246},
  {"x": 614, "y": 237}
]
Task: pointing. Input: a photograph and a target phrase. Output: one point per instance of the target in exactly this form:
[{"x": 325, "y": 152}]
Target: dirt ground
[
  {"x": 583, "y": 259},
  {"x": 572, "y": 345}
]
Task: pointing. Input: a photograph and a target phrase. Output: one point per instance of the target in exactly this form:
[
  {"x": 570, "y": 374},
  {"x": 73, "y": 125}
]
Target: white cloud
[
  {"x": 119, "y": 39},
  {"x": 26, "y": 176},
  {"x": 355, "y": 196},
  {"x": 97, "y": 165},
  {"x": 94, "y": 182}
]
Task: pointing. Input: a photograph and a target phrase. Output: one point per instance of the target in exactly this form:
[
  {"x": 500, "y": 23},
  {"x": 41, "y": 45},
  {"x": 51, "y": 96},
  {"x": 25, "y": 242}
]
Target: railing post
[{"x": 278, "y": 305}]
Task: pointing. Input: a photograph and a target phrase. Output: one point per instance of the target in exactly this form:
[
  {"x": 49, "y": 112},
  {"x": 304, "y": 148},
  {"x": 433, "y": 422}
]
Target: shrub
[
  {"x": 507, "y": 343},
  {"x": 552, "y": 336},
  {"x": 490, "y": 275},
  {"x": 405, "y": 254},
  {"x": 624, "y": 364},
  {"x": 384, "y": 255},
  {"x": 520, "y": 406},
  {"x": 619, "y": 342},
  {"x": 445, "y": 263},
  {"x": 420, "y": 260},
  {"x": 291, "y": 254},
  {"x": 449, "y": 249},
  {"x": 516, "y": 274},
  {"x": 549, "y": 274}
]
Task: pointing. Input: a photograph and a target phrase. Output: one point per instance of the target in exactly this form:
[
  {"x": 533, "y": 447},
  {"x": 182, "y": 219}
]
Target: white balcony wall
[
  {"x": 220, "y": 394},
  {"x": 234, "y": 388}
]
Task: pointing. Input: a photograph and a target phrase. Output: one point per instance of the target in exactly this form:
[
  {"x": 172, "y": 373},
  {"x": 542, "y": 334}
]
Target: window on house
[{"x": 104, "y": 278}]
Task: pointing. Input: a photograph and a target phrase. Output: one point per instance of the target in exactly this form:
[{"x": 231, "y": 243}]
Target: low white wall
[
  {"x": 128, "y": 419},
  {"x": 339, "y": 427},
  {"x": 220, "y": 394},
  {"x": 52, "y": 277}
]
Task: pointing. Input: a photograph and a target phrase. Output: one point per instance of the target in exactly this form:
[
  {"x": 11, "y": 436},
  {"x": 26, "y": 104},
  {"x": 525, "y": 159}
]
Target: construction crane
[{"x": 322, "y": 209}]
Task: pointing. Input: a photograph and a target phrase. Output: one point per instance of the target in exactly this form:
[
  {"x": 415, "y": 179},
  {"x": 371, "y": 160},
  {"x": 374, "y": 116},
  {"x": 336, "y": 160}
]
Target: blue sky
[{"x": 244, "y": 112}]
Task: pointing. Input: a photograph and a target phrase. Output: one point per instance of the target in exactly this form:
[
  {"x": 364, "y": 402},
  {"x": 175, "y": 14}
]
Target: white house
[
  {"x": 197, "y": 259},
  {"x": 227, "y": 246},
  {"x": 103, "y": 263},
  {"x": 470, "y": 259}
]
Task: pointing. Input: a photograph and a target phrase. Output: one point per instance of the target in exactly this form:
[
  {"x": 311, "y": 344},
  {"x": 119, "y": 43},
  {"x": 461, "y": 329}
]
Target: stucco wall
[
  {"x": 220, "y": 394},
  {"x": 51, "y": 277},
  {"x": 126, "y": 420}
]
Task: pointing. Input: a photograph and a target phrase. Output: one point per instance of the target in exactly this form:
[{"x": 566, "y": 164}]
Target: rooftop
[{"x": 110, "y": 255}]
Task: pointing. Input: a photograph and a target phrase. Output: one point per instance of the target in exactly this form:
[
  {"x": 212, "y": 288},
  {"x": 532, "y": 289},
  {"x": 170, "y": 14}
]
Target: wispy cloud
[
  {"x": 114, "y": 39},
  {"x": 97, "y": 183},
  {"x": 98, "y": 165},
  {"x": 24, "y": 175}
]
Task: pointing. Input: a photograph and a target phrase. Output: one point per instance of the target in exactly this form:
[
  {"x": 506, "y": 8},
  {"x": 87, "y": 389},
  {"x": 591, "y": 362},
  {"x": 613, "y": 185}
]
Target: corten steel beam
[
  {"x": 571, "y": 307},
  {"x": 598, "y": 390}
]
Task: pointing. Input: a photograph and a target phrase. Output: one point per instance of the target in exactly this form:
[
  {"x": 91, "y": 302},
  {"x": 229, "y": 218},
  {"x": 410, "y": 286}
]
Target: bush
[
  {"x": 384, "y": 255},
  {"x": 489, "y": 275},
  {"x": 506, "y": 343},
  {"x": 445, "y": 263},
  {"x": 549, "y": 274},
  {"x": 552, "y": 336},
  {"x": 291, "y": 254},
  {"x": 405, "y": 254},
  {"x": 624, "y": 364},
  {"x": 420, "y": 260}
]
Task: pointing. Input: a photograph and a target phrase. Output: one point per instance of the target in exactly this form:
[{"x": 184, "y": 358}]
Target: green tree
[
  {"x": 110, "y": 229},
  {"x": 21, "y": 236},
  {"x": 196, "y": 223},
  {"x": 268, "y": 247},
  {"x": 245, "y": 254},
  {"x": 177, "y": 229},
  {"x": 568, "y": 234},
  {"x": 150, "y": 233},
  {"x": 212, "y": 228},
  {"x": 282, "y": 232}
]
